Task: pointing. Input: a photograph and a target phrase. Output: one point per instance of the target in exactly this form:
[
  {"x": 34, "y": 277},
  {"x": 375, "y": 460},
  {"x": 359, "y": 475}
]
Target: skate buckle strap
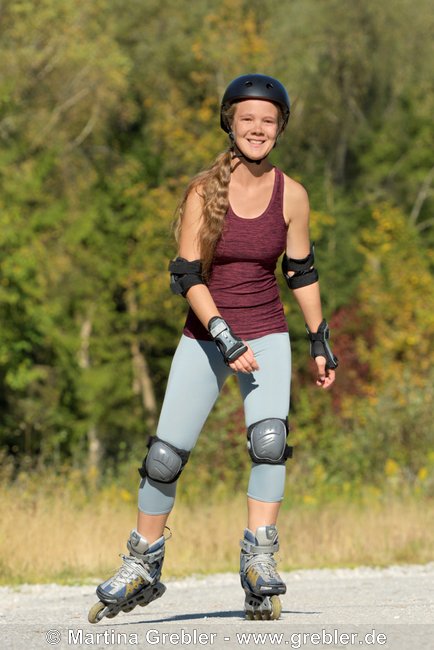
[
  {"x": 248, "y": 547},
  {"x": 155, "y": 555}
]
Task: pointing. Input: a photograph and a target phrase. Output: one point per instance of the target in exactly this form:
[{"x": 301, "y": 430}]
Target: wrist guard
[
  {"x": 229, "y": 345},
  {"x": 319, "y": 345}
]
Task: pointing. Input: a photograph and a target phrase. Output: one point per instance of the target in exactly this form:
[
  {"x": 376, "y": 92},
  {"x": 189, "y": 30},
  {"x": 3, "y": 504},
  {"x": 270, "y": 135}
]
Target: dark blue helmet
[{"x": 255, "y": 86}]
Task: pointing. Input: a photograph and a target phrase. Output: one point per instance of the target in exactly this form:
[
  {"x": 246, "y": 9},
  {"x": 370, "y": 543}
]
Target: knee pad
[
  {"x": 266, "y": 441},
  {"x": 164, "y": 462}
]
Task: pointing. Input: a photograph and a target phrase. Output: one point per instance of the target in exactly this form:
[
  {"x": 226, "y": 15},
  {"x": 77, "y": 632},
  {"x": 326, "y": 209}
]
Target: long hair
[{"x": 212, "y": 184}]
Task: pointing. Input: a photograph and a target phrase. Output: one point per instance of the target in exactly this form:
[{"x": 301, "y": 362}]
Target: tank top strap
[{"x": 277, "y": 201}]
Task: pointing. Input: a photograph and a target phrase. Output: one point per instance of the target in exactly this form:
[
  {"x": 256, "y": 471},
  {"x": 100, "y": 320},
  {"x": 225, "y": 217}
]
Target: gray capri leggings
[{"x": 196, "y": 377}]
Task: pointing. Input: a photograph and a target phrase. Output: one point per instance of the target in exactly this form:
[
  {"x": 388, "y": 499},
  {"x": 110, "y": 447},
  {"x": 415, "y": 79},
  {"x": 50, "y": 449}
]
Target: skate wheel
[
  {"x": 157, "y": 591},
  {"x": 276, "y": 608},
  {"x": 93, "y": 616}
]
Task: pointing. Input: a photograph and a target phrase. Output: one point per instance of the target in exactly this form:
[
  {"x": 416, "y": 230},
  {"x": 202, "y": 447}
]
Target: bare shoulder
[
  {"x": 195, "y": 196},
  {"x": 191, "y": 221},
  {"x": 295, "y": 200},
  {"x": 294, "y": 189},
  {"x": 193, "y": 206}
]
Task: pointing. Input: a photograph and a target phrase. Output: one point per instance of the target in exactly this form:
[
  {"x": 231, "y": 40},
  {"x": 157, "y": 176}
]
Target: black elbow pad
[
  {"x": 304, "y": 272},
  {"x": 184, "y": 275}
]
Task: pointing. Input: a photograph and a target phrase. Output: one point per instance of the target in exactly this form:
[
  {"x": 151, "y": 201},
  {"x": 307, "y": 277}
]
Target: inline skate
[
  {"x": 259, "y": 578},
  {"x": 137, "y": 581}
]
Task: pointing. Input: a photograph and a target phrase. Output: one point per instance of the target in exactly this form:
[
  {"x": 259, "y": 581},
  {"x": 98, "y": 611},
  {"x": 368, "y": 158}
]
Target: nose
[{"x": 257, "y": 127}]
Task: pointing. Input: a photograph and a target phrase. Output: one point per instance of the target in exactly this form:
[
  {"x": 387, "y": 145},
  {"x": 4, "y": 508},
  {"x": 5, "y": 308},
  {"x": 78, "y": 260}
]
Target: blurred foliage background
[{"x": 106, "y": 110}]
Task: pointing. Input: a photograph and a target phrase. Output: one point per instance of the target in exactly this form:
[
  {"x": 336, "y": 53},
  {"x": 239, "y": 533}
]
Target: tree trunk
[
  {"x": 93, "y": 442},
  {"x": 422, "y": 196},
  {"x": 142, "y": 384}
]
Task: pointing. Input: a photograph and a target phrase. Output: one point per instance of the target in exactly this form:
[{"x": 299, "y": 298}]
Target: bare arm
[
  {"x": 296, "y": 211},
  {"x": 198, "y": 297}
]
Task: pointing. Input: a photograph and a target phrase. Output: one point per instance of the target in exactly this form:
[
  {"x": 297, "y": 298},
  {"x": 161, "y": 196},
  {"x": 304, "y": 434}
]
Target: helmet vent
[
  {"x": 248, "y": 84},
  {"x": 270, "y": 85}
]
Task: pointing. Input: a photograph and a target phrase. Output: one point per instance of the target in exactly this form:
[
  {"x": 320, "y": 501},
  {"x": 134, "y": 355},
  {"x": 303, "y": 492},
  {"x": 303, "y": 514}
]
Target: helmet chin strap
[{"x": 238, "y": 154}]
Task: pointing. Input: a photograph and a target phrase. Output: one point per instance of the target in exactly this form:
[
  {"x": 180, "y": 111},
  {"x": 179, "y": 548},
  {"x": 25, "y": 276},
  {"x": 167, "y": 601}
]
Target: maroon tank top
[{"x": 242, "y": 281}]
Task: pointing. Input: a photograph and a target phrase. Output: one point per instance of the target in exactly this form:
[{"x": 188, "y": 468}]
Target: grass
[{"x": 55, "y": 536}]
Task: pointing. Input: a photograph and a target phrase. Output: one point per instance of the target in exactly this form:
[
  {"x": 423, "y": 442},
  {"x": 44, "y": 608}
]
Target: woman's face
[{"x": 255, "y": 127}]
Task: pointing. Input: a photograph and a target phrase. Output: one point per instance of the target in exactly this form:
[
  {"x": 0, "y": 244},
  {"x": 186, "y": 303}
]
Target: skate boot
[
  {"x": 258, "y": 574},
  {"x": 135, "y": 583}
]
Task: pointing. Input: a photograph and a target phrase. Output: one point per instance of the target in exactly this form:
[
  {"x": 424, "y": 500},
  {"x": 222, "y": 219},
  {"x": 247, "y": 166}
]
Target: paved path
[{"x": 389, "y": 608}]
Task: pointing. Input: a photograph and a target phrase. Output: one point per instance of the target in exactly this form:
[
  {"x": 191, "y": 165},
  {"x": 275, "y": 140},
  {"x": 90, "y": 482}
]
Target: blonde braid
[{"x": 213, "y": 186}]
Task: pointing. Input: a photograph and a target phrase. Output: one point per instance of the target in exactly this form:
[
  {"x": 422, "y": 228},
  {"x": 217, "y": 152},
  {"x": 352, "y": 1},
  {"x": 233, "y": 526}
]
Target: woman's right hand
[{"x": 245, "y": 362}]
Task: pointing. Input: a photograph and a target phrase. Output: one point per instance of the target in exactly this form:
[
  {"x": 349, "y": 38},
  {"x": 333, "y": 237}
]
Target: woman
[{"x": 236, "y": 219}]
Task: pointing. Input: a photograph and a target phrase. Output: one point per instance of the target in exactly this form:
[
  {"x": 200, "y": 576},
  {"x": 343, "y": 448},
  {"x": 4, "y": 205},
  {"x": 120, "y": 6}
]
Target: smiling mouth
[{"x": 256, "y": 143}]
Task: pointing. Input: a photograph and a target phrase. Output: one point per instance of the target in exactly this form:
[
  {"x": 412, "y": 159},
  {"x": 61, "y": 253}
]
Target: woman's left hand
[{"x": 325, "y": 376}]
